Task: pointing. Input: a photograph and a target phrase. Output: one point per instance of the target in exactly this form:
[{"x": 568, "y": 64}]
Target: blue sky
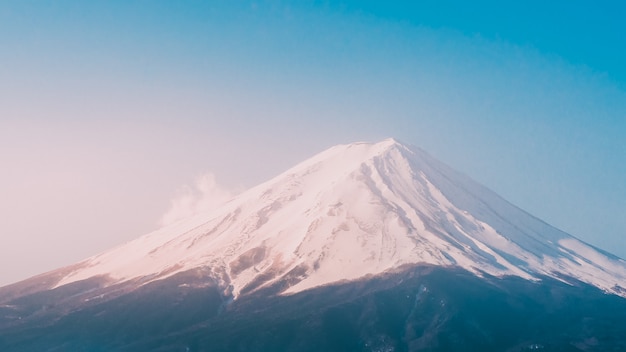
[{"x": 108, "y": 108}]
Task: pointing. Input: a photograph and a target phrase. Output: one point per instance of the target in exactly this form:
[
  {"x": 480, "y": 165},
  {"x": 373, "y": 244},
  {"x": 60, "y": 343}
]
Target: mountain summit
[
  {"x": 363, "y": 247},
  {"x": 350, "y": 212}
]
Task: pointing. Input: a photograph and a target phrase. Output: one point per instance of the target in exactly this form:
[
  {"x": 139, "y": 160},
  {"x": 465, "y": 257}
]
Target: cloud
[{"x": 205, "y": 194}]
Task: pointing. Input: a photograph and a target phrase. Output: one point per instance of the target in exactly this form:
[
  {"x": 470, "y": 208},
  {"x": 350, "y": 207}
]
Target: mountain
[{"x": 359, "y": 228}]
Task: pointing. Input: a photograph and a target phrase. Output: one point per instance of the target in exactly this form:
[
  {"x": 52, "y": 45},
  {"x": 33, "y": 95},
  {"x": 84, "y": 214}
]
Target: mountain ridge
[{"x": 351, "y": 211}]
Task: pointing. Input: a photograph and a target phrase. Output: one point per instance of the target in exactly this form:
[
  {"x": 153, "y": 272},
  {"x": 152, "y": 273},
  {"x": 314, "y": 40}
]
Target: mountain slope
[
  {"x": 364, "y": 247},
  {"x": 422, "y": 308},
  {"x": 349, "y": 212}
]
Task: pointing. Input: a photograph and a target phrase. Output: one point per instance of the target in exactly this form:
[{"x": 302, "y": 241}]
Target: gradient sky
[{"x": 112, "y": 110}]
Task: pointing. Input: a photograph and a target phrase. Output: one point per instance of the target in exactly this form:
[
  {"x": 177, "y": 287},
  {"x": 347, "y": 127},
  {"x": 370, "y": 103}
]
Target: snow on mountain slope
[{"x": 351, "y": 211}]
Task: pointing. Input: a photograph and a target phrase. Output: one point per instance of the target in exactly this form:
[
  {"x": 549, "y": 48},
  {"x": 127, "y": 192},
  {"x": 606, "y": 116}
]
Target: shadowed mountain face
[
  {"x": 422, "y": 308},
  {"x": 364, "y": 247}
]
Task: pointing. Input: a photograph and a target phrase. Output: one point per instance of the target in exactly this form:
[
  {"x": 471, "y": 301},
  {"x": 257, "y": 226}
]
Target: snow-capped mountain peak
[{"x": 352, "y": 211}]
